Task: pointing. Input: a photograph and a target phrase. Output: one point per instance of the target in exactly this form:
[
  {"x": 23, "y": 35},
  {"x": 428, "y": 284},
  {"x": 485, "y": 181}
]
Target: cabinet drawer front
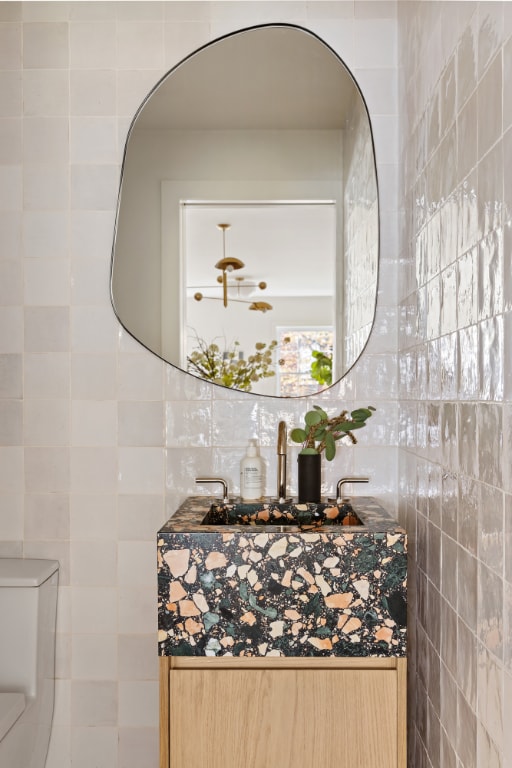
[{"x": 283, "y": 718}]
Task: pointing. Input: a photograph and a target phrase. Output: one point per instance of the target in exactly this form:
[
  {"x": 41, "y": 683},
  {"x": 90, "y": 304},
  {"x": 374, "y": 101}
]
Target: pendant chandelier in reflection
[{"x": 239, "y": 284}]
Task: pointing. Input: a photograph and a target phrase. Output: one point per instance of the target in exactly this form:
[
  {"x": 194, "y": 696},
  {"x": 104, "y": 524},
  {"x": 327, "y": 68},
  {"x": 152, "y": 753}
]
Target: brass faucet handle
[
  {"x": 281, "y": 438},
  {"x": 348, "y": 480},
  {"x": 281, "y": 462},
  {"x": 220, "y": 480}
]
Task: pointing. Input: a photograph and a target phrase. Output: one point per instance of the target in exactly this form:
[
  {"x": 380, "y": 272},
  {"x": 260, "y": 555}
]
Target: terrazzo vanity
[{"x": 281, "y": 628}]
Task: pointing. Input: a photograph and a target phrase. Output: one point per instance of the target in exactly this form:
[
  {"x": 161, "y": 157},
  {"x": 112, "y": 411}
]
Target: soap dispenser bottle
[{"x": 251, "y": 473}]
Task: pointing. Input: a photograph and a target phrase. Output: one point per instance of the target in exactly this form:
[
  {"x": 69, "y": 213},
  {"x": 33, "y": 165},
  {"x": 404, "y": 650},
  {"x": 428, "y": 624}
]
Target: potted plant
[{"x": 320, "y": 435}]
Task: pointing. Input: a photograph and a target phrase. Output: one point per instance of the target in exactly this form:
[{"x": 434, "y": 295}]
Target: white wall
[
  {"x": 456, "y": 376},
  {"x": 99, "y": 440}
]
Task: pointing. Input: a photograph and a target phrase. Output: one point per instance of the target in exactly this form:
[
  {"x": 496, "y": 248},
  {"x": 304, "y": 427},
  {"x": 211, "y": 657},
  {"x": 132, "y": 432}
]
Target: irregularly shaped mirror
[{"x": 246, "y": 245}]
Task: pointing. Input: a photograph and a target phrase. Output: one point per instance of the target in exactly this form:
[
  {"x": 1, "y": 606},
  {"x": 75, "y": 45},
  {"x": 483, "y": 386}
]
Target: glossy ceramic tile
[
  {"x": 141, "y": 470},
  {"x": 92, "y": 92},
  {"x": 94, "y": 657},
  {"x": 94, "y": 703},
  {"x": 93, "y": 467},
  {"x": 46, "y": 422},
  {"x": 45, "y": 45},
  {"x": 93, "y": 377},
  {"x": 47, "y": 329},
  {"x": 43, "y": 237},
  {"x": 508, "y": 542},
  {"x": 136, "y": 658},
  {"x": 92, "y": 44},
  {"x": 467, "y": 662},
  {"x": 490, "y": 702},
  {"x": 92, "y": 516},
  {"x": 136, "y": 744},
  {"x": 138, "y": 703},
  {"x": 47, "y": 469},
  {"x": 47, "y": 516},
  {"x": 139, "y": 377},
  {"x": 93, "y": 609},
  {"x": 490, "y": 443},
  {"x": 87, "y": 748},
  {"x": 458, "y": 245},
  {"x": 140, "y": 424},
  {"x": 11, "y": 188}
]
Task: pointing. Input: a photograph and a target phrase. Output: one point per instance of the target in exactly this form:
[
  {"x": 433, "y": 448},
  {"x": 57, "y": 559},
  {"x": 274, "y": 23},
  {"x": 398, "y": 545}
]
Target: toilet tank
[{"x": 28, "y": 592}]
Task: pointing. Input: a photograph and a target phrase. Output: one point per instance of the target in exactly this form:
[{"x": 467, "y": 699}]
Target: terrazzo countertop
[{"x": 251, "y": 590}]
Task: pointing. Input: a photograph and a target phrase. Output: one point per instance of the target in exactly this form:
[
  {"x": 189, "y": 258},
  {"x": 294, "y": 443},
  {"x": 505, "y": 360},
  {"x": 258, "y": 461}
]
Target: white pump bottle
[{"x": 251, "y": 473}]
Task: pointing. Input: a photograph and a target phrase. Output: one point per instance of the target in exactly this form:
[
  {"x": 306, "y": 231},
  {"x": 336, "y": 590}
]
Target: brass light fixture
[
  {"x": 226, "y": 265},
  {"x": 260, "y": 306},
  {"x": 229, "y": 264}
]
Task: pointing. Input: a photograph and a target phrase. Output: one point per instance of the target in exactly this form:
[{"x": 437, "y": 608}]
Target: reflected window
[{"x": 305, "y": 359}]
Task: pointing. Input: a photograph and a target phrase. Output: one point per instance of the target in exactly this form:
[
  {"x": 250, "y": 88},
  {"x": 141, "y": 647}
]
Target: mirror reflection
[
  {"x": 258, "y": 320},
  {"x": 246, "y": 248}
]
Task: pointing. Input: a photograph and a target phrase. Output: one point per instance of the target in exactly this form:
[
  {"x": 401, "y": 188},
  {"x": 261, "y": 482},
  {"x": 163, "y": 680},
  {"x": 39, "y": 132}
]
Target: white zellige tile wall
[
  {"x": 99, "y": 441},
  {"x": 455, "y": 390}
]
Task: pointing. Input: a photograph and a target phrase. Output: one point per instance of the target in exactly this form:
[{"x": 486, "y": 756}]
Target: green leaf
[
  {"x": 346, "y": 426},
  {"x": 330, "y": 447},
  {"x": 321, "y": 412},
  {"x": 361, "y": 414},
  {"x": 308, "y": 451},
  {"x": 312, "y": 417},
  {"x": 298, "y": 435},
  {"x": 319, "y": 433}
]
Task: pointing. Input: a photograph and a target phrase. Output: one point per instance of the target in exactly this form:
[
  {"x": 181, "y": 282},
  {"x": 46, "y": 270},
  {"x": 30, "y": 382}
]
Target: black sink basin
[{"x": 281, "y": 515}]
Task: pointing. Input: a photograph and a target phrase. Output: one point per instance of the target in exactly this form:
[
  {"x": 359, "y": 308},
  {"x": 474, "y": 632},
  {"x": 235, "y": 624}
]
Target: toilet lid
[
  {"x": 28, "y": 572},
  {"x": 11, "y": 707}
]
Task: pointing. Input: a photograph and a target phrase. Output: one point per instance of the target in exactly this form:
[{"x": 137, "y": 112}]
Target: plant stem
[{"x": 333, "y": 422}]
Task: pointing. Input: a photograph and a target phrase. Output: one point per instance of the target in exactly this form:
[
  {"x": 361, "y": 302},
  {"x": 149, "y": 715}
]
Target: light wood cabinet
[{"x": 282, "y": 712}]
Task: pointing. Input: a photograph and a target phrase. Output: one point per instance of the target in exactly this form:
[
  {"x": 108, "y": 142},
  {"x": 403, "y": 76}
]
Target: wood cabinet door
[{"x": 283, "y": 718}]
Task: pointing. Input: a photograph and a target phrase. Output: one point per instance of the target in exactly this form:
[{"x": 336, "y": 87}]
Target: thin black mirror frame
[{"x": 157, "y": 85}]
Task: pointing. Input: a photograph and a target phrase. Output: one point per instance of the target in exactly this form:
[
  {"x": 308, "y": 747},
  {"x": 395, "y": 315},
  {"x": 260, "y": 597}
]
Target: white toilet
[{"x": 28, "y": 608}]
